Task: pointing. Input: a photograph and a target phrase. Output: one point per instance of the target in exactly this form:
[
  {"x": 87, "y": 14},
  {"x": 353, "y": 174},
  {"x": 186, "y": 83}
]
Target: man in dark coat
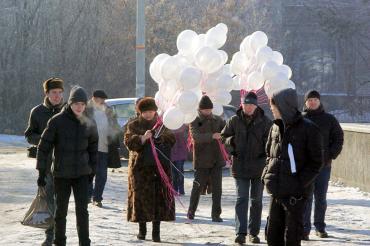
[
  {"x": 246, "y": 135},
  {"x": 73, "y": 140},
  {"x": 333, "y": 142},
  {"x": 148, "y": 197},
  {"x": 294, "y": 159},
  {"x": 39, "y": 116},
  {"x": 108, "y": 147},
  {"x": 207, "y": 158}
]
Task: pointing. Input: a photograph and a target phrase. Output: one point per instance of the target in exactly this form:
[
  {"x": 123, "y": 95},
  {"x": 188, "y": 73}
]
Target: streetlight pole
[{"x": 140, "y": 48}]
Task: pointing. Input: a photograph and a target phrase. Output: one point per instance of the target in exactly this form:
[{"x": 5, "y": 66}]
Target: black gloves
[{"x": 41, "y": 179}]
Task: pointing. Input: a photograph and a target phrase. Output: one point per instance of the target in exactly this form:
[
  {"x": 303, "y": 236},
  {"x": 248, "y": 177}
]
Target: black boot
[
  {"x": 142, "y": 231},
  {"x": 156, "y": 231}
]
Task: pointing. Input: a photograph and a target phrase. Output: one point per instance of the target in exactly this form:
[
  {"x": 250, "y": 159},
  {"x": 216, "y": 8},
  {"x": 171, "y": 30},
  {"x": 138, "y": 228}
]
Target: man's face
[
  {"x": 99, "y": 102},
  {"x": 249, "y": 109},
  {"x": 78, "y": 108},
  {"x": 55, "y": 96},
  {"x": 275, "y": 111},
  {"x": 313, "y": 103},
  {"x": 206, "y": 112},
  {"x": 148, "y": 115}
]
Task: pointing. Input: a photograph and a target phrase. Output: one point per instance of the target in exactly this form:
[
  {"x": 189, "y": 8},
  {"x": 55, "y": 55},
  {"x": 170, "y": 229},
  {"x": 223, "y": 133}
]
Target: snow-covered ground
[{"x": 348, "y": 215}]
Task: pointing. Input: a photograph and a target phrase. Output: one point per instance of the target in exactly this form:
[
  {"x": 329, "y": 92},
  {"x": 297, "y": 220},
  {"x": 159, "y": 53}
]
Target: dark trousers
[
  {"x": 320, "y": 189},
  {"x": 200, "y": 179},
  {"x": 63, "y": 189},
  {"x": 243, "y": 186},
  {"x": 285, "y": 222},
  {"x": 178, "y": 176},
  {"x": 100, "y": 178}
]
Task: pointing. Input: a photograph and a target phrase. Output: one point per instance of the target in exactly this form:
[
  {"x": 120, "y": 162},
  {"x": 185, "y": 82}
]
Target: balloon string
[{"x": 224, "y": 153}]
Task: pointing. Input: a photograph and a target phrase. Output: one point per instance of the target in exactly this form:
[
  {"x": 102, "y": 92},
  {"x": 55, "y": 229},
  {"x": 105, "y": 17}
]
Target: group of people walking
[{"x": 290, "y": 156}]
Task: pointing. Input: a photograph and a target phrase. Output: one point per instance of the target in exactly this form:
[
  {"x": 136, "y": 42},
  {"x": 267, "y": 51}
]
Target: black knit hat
[
  {"x": 250, "y": 98},
  {"x": 52, "y": 83},
  {"x": 147, "y": 104},
  {"x": 311, "y": 94},
  {"x": 100, "y": 94},
  {"x": 205, "y": 103},
  {"x": 77, "y": 94}
]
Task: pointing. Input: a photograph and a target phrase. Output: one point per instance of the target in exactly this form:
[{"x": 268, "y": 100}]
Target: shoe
[
  {"x": 305, "y": 237},
  {"x": 217, "y": 219},
  {"x": 156, "y": 232},
  {"x": 254, "y": 239},
  {"x": 98, "y": 204},
  {"x": 47, "y": 243},
  {"x": 142, "y": 231},
  {"x": 190, "y": 215},
  {"x": 240, "y": 239},
  {"x": 322, "y": 234}
]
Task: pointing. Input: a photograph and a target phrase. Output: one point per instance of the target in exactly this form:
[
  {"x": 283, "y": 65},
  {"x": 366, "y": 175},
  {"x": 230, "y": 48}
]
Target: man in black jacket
[
  {"x": 73, "y": 140},
  {"x": 294, "y": 159},
  {"x": 333, "y": 141},
  {"x": 246, "y": 134},
  {"x": 39, "y": 116},
  {"x": 108, "y": 147}
]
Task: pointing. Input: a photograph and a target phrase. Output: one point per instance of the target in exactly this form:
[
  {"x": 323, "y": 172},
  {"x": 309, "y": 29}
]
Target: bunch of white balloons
[
  {"x": 256, "y": 65},
  {"x": 198, "y": 68}
]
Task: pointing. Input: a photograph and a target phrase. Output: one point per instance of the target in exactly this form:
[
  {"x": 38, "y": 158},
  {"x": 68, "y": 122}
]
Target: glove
[
  {"x": 91, "y": 177},
  {"x": 41, "y": 179}
]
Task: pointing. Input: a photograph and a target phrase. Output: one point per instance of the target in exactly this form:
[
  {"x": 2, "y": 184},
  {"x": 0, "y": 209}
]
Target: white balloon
[
  {"x": 173, "y": 118},
  {"x": 238, "y": 63},
  {"x": 236, "y": 83},
  {"x": 186, "y": 41},
  {"x": 258, "y": 40},
  {"x": 218, "y": 109},
  {"x": 222, "y": 27},
  {"x": 277, "y": 57},
  {"x": 190, "y": 117},
  {"x": 209, "y": 85},
  {"x": 280, "y": 78},
  {"x": 225, "y": 82},
  {"x": 270, "y": 69},
  {"x": 197, "y": 91},
  {"x": 208, "y": 59},
  {"x": 155, "y": 67},
  {"x": 187, "y": 101},
  {"x": 286, "y": 70},
  {"x": 215, "y": 38},
  {"x": 224, "y": 56},
  {"x": 190, "y": 78},
  {"x": 159, "y": 100},
  {"x": 255, "y": 80},
  {"x": 221, "y": 97},
  {"x": 170, "y": 68},
  {"x": 168, "y": 89},
  {"x": 291, "y": 84},
  {"x": 264, "y": 54},
  {"x": 227, "y": 70}
]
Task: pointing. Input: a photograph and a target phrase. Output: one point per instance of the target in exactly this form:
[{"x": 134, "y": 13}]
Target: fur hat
[
  {"x": 53, "y": 83},
  {"x": 250, "y": 98},
  {"x": 147, "y": 104},
  {"x": 205, "y": 103},
  {"x": 100, "y": 94},
  {"x": 77, "y": 94},
  {"x": 311, "y": 94}
]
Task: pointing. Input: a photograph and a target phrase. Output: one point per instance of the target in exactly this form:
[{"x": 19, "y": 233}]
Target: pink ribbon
[{"x": 224, "y": 153}]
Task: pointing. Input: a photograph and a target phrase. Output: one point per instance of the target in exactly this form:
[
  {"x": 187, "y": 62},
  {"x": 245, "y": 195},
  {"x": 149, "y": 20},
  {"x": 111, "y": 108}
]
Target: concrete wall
[{"x": 352, "y": 167}]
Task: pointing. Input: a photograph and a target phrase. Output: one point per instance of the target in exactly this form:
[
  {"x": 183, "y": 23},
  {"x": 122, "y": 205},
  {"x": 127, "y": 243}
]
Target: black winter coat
[
  {"x": 75, "y": 145},
  {"x": 247, "y": 143},
  {"x": 330, "y": 129},
  {"x": 306, "y": 140},
  {"x": 39, "y": 117}
]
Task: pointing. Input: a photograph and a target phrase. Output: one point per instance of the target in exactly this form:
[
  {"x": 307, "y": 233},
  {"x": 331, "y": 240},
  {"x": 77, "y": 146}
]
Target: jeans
[
  {"x": 320, "y": 189},
  {"x": 49, "y": 188},
  {"x": 178, "y": 176},
  {"x": 243, "y": 186},
  {"x": 100, "y": 178},
  {"x": 63, "y": 188}
]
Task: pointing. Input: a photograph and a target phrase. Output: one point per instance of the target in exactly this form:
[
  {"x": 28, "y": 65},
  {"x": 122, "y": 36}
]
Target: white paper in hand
[{"x": 291, "y": 159}]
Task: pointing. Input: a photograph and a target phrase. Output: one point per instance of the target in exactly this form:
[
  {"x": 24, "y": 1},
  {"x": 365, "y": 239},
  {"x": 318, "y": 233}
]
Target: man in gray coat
[
  {"x": 207, "y": 158},
  {"x": 246, "y": 134}
]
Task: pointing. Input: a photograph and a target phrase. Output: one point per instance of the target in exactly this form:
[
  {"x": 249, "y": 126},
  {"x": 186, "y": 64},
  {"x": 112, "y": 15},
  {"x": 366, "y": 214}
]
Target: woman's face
[
  {"x": 78, "y": 108},
  {"x": 148, "y": 115}
]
